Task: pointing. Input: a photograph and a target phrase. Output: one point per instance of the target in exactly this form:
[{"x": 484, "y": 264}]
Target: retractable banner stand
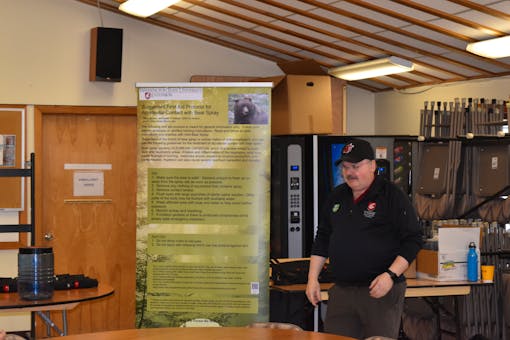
[{"x": 203, "y": 204}]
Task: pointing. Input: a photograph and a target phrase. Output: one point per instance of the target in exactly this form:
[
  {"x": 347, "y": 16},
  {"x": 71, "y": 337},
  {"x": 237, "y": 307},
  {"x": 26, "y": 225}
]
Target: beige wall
[
  {"x": 360, "y": 111},
  {"x": 45, "y": 55}
]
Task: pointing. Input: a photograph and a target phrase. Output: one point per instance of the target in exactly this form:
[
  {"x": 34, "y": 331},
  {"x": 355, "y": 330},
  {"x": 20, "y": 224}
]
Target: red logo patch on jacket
[{"x": 370, "y": 211}]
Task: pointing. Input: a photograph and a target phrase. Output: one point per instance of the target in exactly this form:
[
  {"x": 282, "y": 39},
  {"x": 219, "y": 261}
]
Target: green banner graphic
[{"x": 203, "y": 204}]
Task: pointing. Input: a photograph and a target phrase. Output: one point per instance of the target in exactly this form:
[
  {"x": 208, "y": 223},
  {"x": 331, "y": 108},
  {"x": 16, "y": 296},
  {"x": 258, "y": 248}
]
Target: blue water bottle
[{"x": 472, "y": 263}]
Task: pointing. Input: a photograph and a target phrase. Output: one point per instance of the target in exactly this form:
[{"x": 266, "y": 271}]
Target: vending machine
[{"x": 303, "y": 172}]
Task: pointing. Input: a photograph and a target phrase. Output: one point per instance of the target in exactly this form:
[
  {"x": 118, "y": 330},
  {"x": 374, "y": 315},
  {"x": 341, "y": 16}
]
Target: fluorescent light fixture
[
  {"x": 372, "y": 69},
  {"x": 145, "y": 8},
  {"x": 492, "y": 48}
]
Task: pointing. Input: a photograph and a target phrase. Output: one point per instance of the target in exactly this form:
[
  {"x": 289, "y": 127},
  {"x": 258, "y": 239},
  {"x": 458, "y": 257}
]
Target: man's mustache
[{"x": 351, "y": 177}]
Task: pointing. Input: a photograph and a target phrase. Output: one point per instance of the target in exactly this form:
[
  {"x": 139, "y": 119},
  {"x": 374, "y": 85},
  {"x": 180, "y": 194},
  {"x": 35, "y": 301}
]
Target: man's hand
[
  {"x": 313, "y": 287},
  {"x": 313, "y": 292},
  {"x": 381, "y": 285}
]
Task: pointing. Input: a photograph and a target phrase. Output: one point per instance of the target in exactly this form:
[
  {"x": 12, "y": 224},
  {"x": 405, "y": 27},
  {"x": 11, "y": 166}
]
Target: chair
[{"x": 278, "y": 325}]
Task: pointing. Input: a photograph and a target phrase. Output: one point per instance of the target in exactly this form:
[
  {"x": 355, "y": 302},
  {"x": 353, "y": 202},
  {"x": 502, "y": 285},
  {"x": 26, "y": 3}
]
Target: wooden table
[
  {"x": 62, "y": 300},
  {"x": 415, "y": 288},
  {"x": 207, "y": 333}
]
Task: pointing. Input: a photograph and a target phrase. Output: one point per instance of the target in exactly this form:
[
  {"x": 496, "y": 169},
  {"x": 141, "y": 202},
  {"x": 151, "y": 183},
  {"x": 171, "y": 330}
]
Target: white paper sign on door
[{"x": 88, "y": 183}]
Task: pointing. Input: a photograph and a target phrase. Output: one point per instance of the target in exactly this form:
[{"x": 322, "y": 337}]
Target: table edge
[{"x": 31, "y": 304}]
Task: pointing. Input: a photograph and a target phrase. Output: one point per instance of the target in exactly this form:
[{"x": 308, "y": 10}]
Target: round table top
[
  {"x": 59, "y": 298},
  {"x": 209, "y": 333}
]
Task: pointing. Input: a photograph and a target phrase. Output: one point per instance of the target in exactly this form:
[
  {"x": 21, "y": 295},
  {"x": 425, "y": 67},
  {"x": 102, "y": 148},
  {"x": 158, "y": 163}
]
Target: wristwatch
[{"x": 393, "y": 276}]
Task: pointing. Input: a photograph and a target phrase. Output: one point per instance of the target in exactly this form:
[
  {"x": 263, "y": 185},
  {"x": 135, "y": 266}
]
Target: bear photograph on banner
[{"x": 249, "y": 109}]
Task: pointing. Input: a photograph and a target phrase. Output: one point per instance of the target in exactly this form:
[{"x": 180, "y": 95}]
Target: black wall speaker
[{"x": 105, "y": 54}]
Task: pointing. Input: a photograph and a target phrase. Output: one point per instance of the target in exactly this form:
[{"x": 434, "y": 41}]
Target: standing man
[{"x": 370, "y": 233}]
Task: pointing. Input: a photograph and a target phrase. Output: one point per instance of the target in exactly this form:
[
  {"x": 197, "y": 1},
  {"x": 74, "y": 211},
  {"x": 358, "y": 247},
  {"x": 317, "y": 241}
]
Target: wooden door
[{"x": 91, "y": 235}]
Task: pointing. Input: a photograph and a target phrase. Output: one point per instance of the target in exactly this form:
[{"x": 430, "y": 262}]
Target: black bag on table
[{"x": 296, "y": 272}]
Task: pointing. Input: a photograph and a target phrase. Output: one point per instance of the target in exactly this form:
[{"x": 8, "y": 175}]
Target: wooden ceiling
[{"x": 431, "y": 33}]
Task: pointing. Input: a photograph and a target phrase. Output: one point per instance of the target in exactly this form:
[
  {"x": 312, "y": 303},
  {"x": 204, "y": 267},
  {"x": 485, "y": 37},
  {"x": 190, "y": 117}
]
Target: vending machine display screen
[{"x": 336, "y": 170}]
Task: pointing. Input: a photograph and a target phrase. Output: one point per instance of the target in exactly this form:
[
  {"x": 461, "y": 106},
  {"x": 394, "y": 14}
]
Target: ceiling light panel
[
  {"x": 145, "y": 8},
  {"x": 372, "y": 69},
  {"x": 492, "y": 48}
]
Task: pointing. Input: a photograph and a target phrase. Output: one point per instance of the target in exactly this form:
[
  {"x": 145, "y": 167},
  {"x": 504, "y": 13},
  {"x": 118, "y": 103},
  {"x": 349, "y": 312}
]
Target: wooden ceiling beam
[
  {"x": 328, "y": 33},
  {"x": 278, "y": 29},
  {"x": 482, "y": 9},
  {"x": 412, "y": 35},
  {"x": 367, "y": 87},
  {"x": 302, "y": 25},
  {"x": 454, "y": 80},
  {"x": 450, "y": 17},
  {"x": 264, "y": 24},
  {"x": 243, "y": 29},
  {"x": 387, "y": 40},
  {"x": 400, "y": 16},
  {"x": 368, "y": 34},
  {"x": 258, "y": 22},
  {"x": 231, "y": 35}
]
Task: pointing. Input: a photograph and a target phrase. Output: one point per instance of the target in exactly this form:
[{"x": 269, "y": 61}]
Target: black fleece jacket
[{"x": 363, "y": 239}]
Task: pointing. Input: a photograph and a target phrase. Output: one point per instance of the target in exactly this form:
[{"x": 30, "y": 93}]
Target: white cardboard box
[{"x": 449, "y": 262}]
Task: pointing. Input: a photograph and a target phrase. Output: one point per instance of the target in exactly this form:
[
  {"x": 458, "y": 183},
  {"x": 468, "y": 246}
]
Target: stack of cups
[{"x": 35, "y": 273}]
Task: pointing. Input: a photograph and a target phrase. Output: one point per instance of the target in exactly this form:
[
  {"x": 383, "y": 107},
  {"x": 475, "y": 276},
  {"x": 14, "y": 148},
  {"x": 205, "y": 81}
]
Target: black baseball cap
[{"x": 355, "y": 151}]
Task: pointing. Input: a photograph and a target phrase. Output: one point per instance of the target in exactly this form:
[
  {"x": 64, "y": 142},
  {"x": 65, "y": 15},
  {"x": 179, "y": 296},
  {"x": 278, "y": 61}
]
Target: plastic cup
[{"x": 487, "y": 273}]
